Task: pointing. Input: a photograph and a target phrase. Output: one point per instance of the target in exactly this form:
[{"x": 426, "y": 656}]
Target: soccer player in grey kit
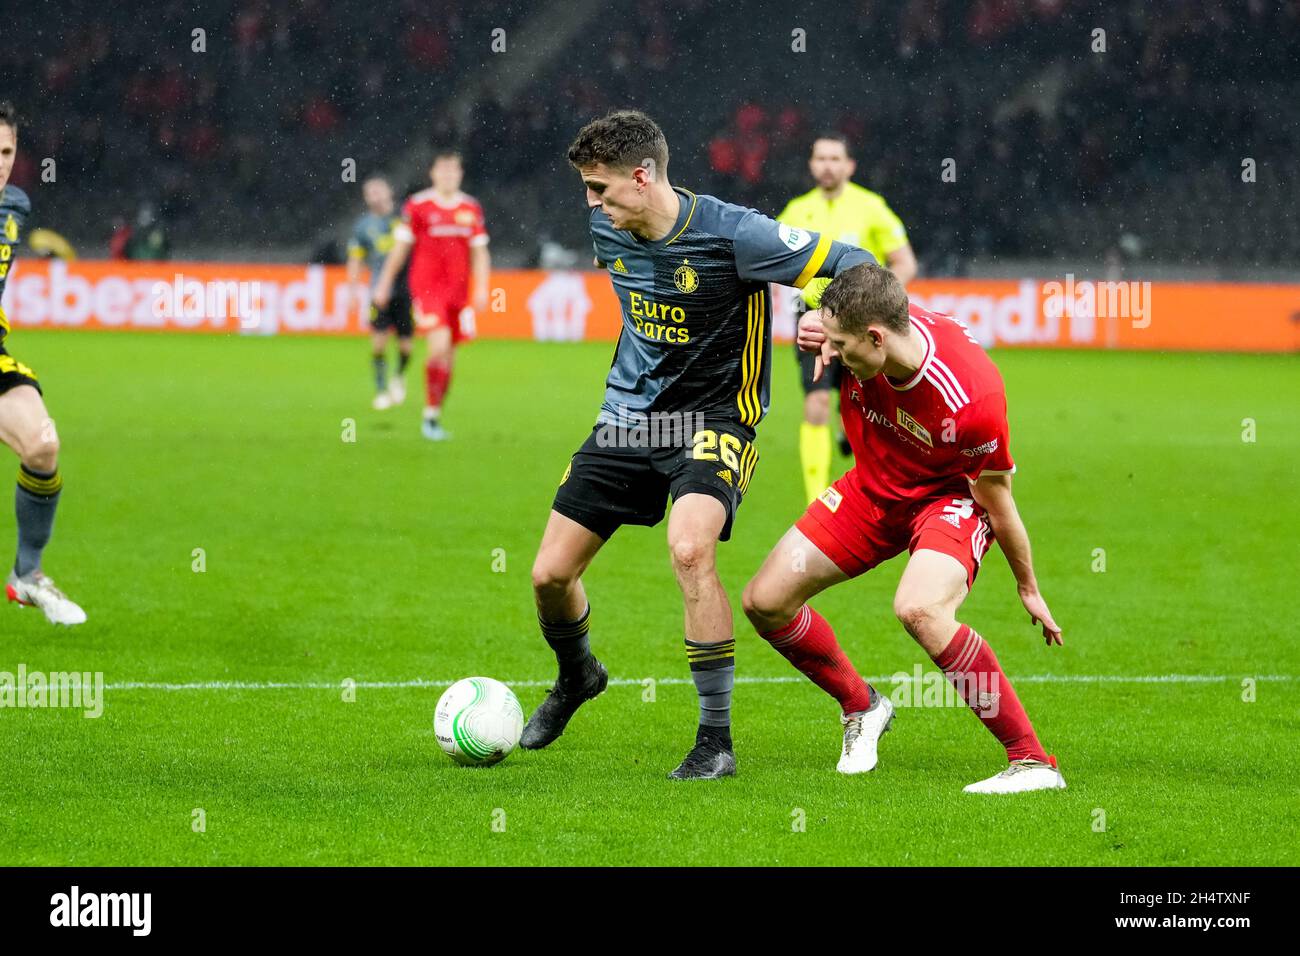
[{"x": 688, "y": 385}]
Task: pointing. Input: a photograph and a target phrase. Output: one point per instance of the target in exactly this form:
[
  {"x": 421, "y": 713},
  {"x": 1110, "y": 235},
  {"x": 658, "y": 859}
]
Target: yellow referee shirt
[{"x": 858, "y": 216}]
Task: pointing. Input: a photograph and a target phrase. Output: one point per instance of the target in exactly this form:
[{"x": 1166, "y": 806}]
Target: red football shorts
[
  {"x": 855, "y": 533},
  {"x": 435, "y": 309}
]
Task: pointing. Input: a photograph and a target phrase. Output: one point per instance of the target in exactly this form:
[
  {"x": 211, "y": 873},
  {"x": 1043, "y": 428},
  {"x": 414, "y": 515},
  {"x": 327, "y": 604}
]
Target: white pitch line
[{"x": 637, "y": 682}]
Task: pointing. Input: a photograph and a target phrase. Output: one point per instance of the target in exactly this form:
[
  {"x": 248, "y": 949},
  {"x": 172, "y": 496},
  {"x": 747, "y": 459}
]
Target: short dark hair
[
  {"x": 623, "y": 139},
  {"x": 448, "y": 152},
  {"x": 8, "y": 116},
  {"x": 867, "y": 295},
  {"x": 835, "y": 137}
]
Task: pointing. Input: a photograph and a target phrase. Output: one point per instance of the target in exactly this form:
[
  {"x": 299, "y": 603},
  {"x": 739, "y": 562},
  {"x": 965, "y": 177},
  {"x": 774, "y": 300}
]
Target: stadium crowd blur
[{"x": 1056, "y": 146}]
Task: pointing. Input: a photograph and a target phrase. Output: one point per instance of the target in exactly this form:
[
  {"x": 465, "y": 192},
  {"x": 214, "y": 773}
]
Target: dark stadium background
[{"x": 1064, "y": 154}]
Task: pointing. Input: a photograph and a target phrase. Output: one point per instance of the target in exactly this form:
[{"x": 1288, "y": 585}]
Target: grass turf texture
[{"x": 373, "y": 560}]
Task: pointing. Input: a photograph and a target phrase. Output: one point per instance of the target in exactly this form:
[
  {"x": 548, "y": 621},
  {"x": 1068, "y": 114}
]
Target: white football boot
[
  {"x": 431, "y": 428},
  {"x": 397, "y": 389},
  {"x": 36, "y": 590},
  {"x": 1021, "y": 777},
  {"x": 382, "y": 401},
  {"x": 862, "y": 732}
]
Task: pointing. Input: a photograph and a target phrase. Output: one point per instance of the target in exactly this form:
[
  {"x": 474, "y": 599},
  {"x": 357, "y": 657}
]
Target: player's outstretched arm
[
  {"x": 770, "y": 252},
  {"x": 356, "y": 254},
  {"x": 993, "y": 493},
  {"x": 902, "y": 263},
  {"x": 481, "y": 269},
  {"x": 397, "y": 257}
]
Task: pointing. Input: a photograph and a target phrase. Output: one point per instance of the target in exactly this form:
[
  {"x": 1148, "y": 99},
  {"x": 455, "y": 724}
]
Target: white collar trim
[{"x": 925, "y": 362}]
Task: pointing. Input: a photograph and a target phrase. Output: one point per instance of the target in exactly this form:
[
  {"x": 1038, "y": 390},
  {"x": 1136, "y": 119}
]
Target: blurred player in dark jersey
[
  {"x": 688, "y": 386},
  {"x": 25, "y": 425},
  {"x": 444, "y": 236},
  {"x": 371, "y": 241}
]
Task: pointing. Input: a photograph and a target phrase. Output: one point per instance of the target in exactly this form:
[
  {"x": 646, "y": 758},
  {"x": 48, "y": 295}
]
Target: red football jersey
[
  {"x": 442, "y": 233},
  {"x": 926, "y": 436}
]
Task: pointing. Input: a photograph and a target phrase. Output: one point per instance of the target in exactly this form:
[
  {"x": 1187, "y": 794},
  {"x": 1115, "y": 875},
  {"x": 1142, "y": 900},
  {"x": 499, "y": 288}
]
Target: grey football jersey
[{"x": 697, "y": 330}]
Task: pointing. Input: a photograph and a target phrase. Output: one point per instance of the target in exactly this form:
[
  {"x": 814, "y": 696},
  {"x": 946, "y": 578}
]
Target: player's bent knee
[
  {"x": 691, "y": 555},
  {"x": 766, "y": 607},
  {"x": 817, "y": 407},
  {"x": 40, "y": 451},
  {"x": 551, "y": 578},
  {"x": 918, "y": 618}
]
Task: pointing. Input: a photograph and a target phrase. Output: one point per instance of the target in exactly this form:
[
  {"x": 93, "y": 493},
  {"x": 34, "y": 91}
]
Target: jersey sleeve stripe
[
  {"x": 814, "y": 261},
  {"x": 754, "y": 345},
  {"x": 746, "y": 366},
  {"x": 760, "y": 339}
]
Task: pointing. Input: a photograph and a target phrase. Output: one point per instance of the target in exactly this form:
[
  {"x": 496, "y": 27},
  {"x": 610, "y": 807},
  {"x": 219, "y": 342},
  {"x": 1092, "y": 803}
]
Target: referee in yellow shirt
[{"x": 844, "y": 211}]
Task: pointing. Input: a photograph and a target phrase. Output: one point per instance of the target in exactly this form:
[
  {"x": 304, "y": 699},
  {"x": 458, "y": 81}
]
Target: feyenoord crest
[
  {"x": 686, "y": 278},
  {"x": 11, "y": 228}
]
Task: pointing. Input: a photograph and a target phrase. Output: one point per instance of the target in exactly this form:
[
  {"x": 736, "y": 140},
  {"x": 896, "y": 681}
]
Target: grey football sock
[
  {"x": 35, "y": 500},
  {"x": 713, "y": 668}
]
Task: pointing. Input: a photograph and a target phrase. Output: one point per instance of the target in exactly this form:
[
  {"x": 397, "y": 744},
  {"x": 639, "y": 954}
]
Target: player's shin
[
  {"x": 437, "y": 379},
  {"x": 809, "y": 644},
  {"x": 972, "y": 667},
  {"x": 35, "y": 501},
  {"x": 815, "y": 455}
]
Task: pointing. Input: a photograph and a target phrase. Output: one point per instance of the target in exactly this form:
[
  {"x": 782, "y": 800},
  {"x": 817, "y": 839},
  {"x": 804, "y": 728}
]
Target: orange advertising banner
[{"x": 570, "y": 306}]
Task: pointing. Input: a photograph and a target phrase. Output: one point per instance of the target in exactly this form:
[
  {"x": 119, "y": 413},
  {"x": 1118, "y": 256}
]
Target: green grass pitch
[{"x": 374, "y": 560}]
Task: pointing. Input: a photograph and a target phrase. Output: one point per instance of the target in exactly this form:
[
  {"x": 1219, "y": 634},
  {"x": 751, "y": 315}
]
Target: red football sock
[
  {"x": 437, "y": 378},
  {"x": 974, "y": 670},
  {"x": 809, "y": 644}
]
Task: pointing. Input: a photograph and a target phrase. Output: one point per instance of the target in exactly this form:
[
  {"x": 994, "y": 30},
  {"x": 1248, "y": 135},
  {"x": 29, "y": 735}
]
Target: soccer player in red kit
[
  {"x": 444, "y": 236},
  {"x": 926, "y": 413}
]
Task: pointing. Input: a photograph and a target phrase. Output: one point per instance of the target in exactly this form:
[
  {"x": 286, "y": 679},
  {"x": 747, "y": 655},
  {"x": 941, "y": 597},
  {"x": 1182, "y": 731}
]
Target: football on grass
[{"x": 478, "y": 721}]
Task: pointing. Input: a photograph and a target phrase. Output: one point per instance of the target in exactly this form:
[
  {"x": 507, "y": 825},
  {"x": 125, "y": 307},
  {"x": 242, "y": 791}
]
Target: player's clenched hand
[
  {"x": 383, "y": 294},
  {"x": 1039, "y": 614},
  {"x": 811, "y": 335}
]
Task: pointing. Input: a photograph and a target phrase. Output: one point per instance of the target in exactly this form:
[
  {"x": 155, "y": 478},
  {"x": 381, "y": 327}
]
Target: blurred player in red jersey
[
  {"x": 925, "y": 411},
  {"x": 444, "y": 236}
]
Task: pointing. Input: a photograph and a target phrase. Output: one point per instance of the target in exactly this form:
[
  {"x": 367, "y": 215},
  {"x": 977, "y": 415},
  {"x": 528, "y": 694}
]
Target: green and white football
[{"x": 478, "y": 721}]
